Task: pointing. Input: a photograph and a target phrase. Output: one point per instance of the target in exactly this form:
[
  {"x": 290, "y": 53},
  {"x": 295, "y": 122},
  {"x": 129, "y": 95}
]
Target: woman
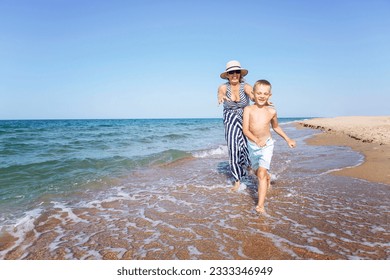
[{"x": 235, "y": 96}]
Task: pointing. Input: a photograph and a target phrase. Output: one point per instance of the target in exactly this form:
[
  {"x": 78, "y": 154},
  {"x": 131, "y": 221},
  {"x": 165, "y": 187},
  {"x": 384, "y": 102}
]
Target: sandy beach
[{"x": 369, "y": 135}]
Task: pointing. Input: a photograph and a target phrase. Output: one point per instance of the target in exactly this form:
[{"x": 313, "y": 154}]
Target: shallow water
[{"x": 181, "y": 208}]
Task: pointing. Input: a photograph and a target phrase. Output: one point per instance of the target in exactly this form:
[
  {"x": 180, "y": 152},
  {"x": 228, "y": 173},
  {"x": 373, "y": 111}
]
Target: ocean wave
[
  {"x": 155, "y": 138},
  {"x": 215, "y": 152},
  {"x": 36, "y": 176},
  {"x": 176, "y": 136},
  {"x": 25, "y": 183},
  {"x": 164, "y": 157}
]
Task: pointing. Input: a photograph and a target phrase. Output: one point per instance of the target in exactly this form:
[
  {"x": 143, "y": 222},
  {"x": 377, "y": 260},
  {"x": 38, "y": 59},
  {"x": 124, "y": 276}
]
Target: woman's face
[{"x": 234, "y": 76}]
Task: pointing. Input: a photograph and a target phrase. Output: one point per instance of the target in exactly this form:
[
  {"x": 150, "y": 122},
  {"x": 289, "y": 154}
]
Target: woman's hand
[
  {"x": 222, "y": 94},
  {"x": 222, "y": 99}
]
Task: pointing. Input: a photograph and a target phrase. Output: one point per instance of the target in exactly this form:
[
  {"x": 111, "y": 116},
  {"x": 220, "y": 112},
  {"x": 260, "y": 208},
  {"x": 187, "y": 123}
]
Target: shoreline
[{"x": 366, "y": 135}]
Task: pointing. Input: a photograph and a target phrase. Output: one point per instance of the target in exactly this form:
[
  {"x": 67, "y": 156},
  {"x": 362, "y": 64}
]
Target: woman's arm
[
  {"x": 222, "y": 94},
  {"x": 249, "y": 91}
]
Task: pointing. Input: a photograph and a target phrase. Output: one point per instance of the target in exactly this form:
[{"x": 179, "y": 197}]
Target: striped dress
[{"x": 236, "y": 140}]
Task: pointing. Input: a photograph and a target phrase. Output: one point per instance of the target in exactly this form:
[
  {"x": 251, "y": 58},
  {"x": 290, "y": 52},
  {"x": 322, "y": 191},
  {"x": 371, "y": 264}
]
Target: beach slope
[{"x": 369, "y": 135}]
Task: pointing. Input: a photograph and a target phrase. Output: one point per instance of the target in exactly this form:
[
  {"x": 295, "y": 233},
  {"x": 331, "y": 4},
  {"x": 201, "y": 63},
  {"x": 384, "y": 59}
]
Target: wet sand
[
  {"x": 164, "y": 230},
  {"x": 367, "y": 135},
  {"x": 321, "y": 220}
]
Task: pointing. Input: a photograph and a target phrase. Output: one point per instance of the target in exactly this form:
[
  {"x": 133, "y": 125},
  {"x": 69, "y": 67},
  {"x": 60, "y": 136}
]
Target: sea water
[
  {"x": 159, "y": 189},
  {"x": 58, "y": 157}
]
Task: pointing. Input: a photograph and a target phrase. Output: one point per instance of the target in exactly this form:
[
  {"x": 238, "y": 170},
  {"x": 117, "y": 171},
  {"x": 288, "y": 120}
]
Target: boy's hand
[
  {"x": 260, "y": 143},
  {"x": 291, "y": 143}
]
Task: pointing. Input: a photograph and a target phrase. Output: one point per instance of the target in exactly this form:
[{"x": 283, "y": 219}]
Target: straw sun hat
[{"x": 231, "y": 66}]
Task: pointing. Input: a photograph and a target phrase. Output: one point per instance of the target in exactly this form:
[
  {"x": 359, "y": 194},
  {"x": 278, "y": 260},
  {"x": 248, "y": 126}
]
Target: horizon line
[{"x": 155, "y": 118}]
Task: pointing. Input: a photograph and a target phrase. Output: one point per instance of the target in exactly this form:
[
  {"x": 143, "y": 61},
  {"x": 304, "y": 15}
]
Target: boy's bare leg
[
  {"x": 262, "y": 176},
  {"x": 236, "y": 186},
  {"x": 268, "y": 181}
]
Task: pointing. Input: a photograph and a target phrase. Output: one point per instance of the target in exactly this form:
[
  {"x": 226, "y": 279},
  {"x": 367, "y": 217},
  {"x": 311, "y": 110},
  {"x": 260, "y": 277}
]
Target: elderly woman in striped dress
[{"x": 235, "y": 95}]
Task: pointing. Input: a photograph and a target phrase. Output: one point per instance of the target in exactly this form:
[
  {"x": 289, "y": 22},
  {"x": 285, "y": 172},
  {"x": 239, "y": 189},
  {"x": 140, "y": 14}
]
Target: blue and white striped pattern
[{"x": 236, "y": 140}]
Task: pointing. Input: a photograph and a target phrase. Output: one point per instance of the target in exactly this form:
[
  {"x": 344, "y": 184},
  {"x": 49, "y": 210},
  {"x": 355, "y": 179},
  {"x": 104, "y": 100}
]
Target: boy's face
[{"x": 262, "y": 93}]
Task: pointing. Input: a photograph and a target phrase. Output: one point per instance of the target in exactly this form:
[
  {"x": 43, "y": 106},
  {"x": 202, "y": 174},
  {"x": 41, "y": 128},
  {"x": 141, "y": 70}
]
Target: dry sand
[{"x": 367, "y": 135}]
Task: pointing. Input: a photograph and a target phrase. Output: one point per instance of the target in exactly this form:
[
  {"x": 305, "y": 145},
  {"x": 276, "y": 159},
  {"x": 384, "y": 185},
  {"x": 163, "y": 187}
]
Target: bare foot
[
  {"x": 236, "y": 186},
  {"x": 260, "y": 210}
]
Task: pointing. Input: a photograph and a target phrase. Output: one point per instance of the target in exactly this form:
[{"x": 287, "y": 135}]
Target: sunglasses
[{"x": 234, "y": 72}]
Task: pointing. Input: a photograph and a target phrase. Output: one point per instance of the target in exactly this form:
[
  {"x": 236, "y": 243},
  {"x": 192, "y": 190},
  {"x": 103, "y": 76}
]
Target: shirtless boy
[{"x": 256, "y": 127}]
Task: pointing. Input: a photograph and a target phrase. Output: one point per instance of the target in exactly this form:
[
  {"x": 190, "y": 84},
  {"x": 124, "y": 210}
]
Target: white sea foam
[
  {"x": 20, "y": 229},
  {"x": 220, "y": 151},
  {"x": 375, "y": 229},
  {"x": 242, "y": 187},
  {"x": 71, "y": 216},
  {"x": 193, "y": 250}
]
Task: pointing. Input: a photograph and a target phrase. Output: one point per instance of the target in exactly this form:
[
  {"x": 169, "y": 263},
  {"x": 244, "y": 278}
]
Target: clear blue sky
[{"x": 162, "y": 59}]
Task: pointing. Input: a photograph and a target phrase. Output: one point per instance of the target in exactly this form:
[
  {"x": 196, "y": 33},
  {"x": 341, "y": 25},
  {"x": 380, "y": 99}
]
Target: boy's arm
[
  {"x": 279, "y": 130},
  {"x": 245, "y": 127},
  {"x": 222, "y": 94}
]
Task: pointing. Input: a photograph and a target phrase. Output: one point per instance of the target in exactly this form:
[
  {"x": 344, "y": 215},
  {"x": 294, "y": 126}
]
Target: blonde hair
[{"x": 262, "y": 82}]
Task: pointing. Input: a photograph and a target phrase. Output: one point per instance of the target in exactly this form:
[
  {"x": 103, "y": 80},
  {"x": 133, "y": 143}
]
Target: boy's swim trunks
[{"x": 261, "y": 156}]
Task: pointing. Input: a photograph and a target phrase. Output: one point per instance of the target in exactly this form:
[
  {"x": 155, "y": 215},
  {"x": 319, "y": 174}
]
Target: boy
[{"x": 256, "y": 126}]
